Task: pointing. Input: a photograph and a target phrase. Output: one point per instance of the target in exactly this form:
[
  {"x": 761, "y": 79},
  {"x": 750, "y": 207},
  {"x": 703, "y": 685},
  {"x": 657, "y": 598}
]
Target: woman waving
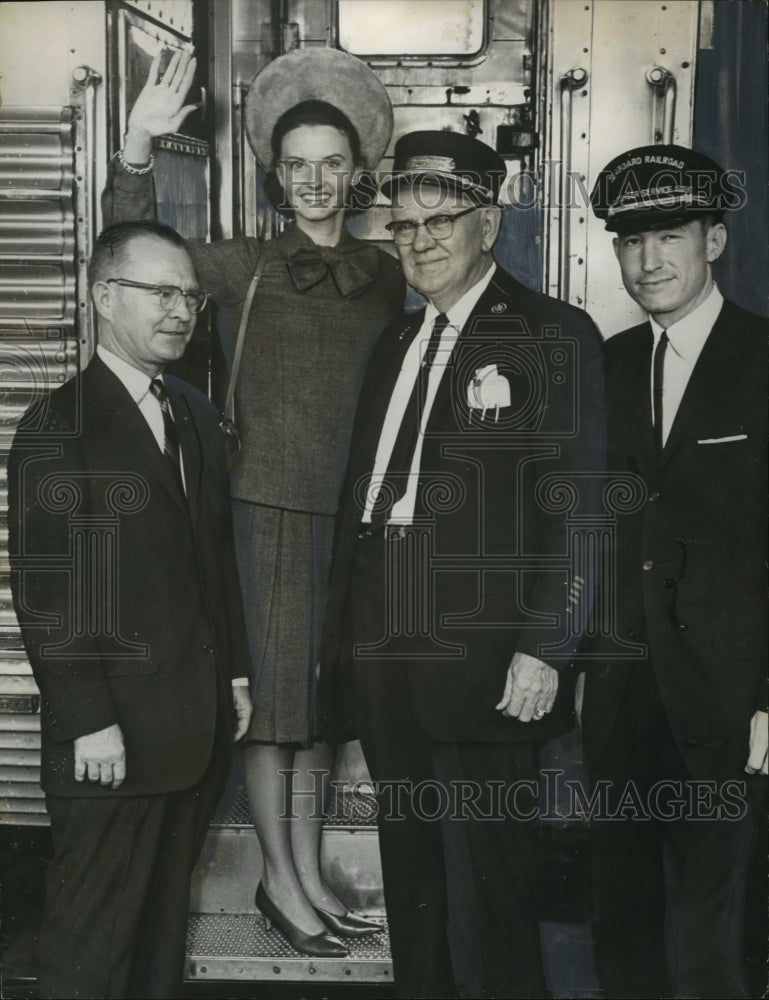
[{"x": 315, "y": 119}]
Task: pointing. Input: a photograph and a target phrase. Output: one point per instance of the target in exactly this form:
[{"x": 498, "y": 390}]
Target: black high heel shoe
[
  {"x": 321, "y": 945},
  {"x": 348, "y": 924}
]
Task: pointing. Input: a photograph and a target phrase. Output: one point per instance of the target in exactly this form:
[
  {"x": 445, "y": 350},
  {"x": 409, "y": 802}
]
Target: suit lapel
[
  {"x": 190, "y": 448},
  {"x": 634, "y": 389},
  {"x": 713, "y": 367},
  {"x": 104, "y": 390}
]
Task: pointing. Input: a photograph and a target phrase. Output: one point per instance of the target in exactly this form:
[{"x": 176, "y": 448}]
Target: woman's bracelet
[{"x": 136, "y": 171}]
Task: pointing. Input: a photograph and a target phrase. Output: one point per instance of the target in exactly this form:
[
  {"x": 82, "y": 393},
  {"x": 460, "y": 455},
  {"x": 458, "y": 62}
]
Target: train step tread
[{"x": 237, "y": 947}]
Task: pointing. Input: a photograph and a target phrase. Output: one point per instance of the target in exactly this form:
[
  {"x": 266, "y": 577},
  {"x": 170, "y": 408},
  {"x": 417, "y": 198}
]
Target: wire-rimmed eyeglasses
[
  {"x": 440, "y": 227},
  {"x": 168, "y": 295}
]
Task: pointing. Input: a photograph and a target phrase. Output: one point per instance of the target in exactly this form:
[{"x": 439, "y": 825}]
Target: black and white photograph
[{"x": 383, "y": 521}]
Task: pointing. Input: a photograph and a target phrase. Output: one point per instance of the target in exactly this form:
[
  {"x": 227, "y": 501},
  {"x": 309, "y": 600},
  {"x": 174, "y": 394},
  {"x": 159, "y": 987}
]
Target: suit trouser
[
  {"x": 669, "y": 893},
  {"x": 117, "y": 890},
  {"x": 459, "y": 880}
]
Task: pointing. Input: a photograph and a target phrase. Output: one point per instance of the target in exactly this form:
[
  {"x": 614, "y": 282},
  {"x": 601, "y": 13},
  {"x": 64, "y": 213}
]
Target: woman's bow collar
[{"x": 353, "y": 268}]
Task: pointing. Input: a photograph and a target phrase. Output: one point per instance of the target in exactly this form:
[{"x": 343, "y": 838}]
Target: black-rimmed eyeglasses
[
  {"x": 440, "y": 227},
  {"x": 168, "y": 295}
]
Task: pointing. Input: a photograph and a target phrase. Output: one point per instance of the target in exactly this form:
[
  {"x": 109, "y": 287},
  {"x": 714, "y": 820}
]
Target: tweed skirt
[{"x": 284, "y": 558}]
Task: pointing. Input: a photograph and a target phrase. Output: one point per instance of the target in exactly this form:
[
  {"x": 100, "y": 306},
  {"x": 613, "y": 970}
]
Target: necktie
[
  {"x": 403, "y": 450},
  {"x": 658, "y": 367},
  {"x": 171, "y": 448}
]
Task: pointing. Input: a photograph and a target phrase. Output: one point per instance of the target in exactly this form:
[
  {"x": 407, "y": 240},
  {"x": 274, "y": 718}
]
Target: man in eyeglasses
[
  {"x": 459, "y": 589},
  {"x": 125, "y": 587}
]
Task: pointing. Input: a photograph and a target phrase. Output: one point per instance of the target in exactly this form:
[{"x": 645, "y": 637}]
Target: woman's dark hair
[
  {"x": 362, "y": 193},
  {"x": 315, "y": 113}
]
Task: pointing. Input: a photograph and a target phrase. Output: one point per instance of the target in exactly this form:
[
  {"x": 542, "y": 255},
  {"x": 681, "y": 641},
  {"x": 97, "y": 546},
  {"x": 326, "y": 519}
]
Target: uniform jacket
[
  {"x": 691, "y": 547},
  {"x": 126, "y": 591},
  {"x": 499, "y": 491}
]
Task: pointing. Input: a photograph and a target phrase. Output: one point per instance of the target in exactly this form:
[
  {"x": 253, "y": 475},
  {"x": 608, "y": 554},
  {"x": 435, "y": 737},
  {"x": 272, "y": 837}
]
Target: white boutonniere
[{"x": 488, "y": 390}]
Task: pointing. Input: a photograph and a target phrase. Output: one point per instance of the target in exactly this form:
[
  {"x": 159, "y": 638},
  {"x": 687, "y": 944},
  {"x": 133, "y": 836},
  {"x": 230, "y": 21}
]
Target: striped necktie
[{"x": 171, "y": 447}]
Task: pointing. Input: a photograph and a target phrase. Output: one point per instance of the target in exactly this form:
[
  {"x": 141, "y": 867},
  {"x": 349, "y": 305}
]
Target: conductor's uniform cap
[
  {"x": 452, "y": 161},
  {"x": 654, "y": 186}
]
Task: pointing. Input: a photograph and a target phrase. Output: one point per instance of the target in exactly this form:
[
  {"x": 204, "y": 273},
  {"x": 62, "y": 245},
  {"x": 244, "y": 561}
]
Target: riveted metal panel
[{"x": 615, "y": 44}]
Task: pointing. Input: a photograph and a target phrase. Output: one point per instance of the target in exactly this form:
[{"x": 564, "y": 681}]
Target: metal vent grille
[{"x": 38, "y": 351}]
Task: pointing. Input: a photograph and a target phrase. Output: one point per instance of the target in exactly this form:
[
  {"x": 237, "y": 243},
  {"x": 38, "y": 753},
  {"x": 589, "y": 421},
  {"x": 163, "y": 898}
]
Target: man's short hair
[
  {"x": 113, "y": 242},
  {"x": 710, "y": 220}
]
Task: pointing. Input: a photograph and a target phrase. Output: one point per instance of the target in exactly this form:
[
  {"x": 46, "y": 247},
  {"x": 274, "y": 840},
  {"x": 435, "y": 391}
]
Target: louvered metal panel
[
  {"x": 24, "y": 791},
  {"x": 17, "y": 773},
  {"x": 37, "y": 222},
  {"x": 12, "y": 685},
  {"x": 42, "y": 236},
  {"x": 19, "y": 740}
]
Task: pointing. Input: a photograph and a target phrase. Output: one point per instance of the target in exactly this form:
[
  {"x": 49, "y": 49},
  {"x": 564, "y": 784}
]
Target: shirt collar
[
  {"x": 689, "y": 334},
  {"x": 459, "y": 313},
  {"x": 136, "y": 382}
]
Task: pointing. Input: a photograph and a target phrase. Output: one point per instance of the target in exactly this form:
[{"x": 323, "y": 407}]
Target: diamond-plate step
[
  {"x": 237, "y": 947},
  {"x": 230, "y": 866}
]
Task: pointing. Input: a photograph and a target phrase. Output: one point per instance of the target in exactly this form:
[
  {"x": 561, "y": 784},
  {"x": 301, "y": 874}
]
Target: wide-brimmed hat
[
  {"x": 319, "y": 74},
  {"x": 653, "y": 186},
  {"x": 452, "y": 161}
]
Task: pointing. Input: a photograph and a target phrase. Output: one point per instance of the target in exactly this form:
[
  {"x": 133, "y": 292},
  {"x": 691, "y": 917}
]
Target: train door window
[{"x": 453, "y": 29}]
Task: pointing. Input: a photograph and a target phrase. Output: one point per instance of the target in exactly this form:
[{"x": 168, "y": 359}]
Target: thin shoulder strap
[{"x": 229, "y": 403}]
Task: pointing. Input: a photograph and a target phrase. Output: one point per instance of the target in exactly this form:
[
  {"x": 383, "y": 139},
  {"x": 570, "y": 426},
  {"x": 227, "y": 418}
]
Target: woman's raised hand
[{"x": 160, "y": 107}]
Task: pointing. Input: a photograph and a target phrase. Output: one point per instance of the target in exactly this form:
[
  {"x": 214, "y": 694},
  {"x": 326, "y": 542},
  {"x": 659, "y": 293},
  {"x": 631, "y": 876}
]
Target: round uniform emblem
[{"x": 499, "y": 307}]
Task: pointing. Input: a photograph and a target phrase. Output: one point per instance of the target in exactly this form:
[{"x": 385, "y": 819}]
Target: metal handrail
[
  {"x": 87, "y": 210},
  {"x": 570, "y": 81},
  {"x": 663, "y": 82}
]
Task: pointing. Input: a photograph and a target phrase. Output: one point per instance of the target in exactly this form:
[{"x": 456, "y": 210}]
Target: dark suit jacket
[
  {"x": 126, "y": 592},
  {"x": 501, "y": 496},
  {"x": 691, "y": 571}
]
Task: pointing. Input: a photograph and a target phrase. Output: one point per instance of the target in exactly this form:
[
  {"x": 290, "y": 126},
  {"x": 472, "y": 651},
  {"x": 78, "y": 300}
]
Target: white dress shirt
[
  {"x": 686, "y": 338},
  {"x": 403, "y": 511}
]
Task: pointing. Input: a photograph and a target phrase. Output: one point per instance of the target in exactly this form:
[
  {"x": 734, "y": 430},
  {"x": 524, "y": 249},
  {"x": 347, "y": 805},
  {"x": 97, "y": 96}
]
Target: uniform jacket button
[
  {"x": 648, "y": 564},
  {"x": 207, "y": 647},
  {"x": 654, "y": 497}
]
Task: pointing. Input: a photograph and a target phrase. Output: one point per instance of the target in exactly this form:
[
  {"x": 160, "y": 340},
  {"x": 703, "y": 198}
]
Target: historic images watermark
[
  {"x": 552, "y": 797},
  {"x": 543, "y": 190}
]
